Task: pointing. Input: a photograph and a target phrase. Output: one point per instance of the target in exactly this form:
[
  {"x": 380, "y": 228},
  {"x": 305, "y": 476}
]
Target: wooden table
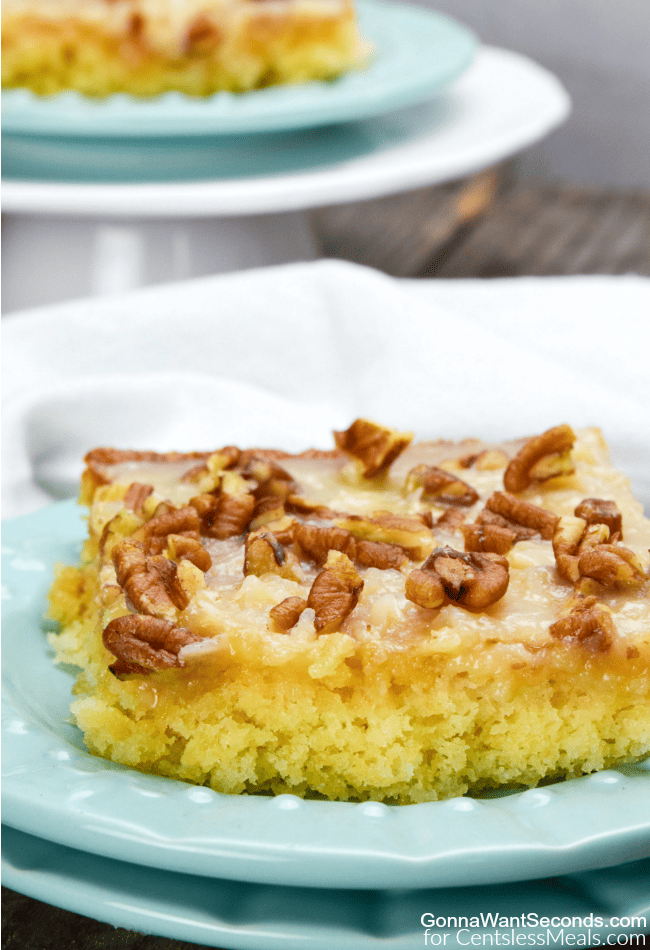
[
  {"x": 492, "y": 225},
  {"x": 489, "y": 225}
]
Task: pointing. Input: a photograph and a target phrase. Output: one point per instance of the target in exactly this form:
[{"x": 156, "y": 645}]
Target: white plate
[{"x": 502, "y": 104}]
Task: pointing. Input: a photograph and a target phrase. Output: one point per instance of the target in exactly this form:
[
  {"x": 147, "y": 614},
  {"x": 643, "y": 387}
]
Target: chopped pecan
[
  {"x": 129, "y": 556},
  {"x": 425, "y": 589},
  {"x": 217, "y": 463},
  {"x": 612, "y": 565},
  {"x": 488, "y": 537},
  {"x": 566, "y": 541},
  {"x": 302, "y": 506},
  {"x": 157, "y": 589},
  {"x": 180, "y": 546},
  {"x": 167, "y": 520},
  {"x": 268, "y": 508},
  {"x": 375, "y": 446},
  {"x": 204, "y": 505},
  {"x": 379, "y": 554},
  {"x": 142, "y": 644},
  {"x": 523, "y": 513},
  {"x": 150, "y": 583},
  {"x": 316, "y": 542},
  {"x": 225, "y": 515},
  {"x": 486, "y": 461},
  {"x": 594, "y": 535},
  {"x": 588, "y": 622},
  {"x": 264, "y": 555},
  {"x": 286, "y": 614},
  {"x": 601, "y": 511},
  {"x": 268, "y": 474},
  {"x": 136, "y": 495},
  {"x": 451, "y": 519},
  {"x": 194, "y": 474},
  {"x": 334, "y": 593},
  {"x": 283, "y": 529},
  {"x": 202, "y": 32},
  {"x": 471, "y": 579},
  {"x": 440, "y": 487},
  {"x": 410, "y": 532},
  {"x": 487, "y": 517},
  {"x": 542, "y": 457}
]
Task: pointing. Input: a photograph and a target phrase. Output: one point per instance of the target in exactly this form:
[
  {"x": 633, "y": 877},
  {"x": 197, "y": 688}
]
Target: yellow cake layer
[
  {"x": 400, "y": 703},
  {"x": 145, "y": 48}
]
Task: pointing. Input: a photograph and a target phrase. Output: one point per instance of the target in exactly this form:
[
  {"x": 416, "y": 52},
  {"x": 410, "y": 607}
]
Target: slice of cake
[
  {"x": 388, "y": 620},
  {"x": 146, "y": 47}
]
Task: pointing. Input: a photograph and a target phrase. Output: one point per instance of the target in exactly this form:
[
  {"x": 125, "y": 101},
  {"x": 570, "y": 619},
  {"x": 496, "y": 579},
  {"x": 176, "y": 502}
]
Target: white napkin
[{"x": 281, "y": 356}]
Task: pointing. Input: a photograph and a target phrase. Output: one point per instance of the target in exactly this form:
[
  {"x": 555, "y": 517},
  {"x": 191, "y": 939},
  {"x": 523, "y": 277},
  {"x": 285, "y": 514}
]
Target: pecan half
[
  {"x": 142, "y": 644},
  {"x": 136, "y": 495},
  {"x": 612, "y": 565},
  {"x": 334, "y": 593},
  {"x": 488, "y": 537},
  {"x": 225, "y": 515},
  {"x": 587, "y": 621},
  {"x": 286, "y": 614},
  {"x": 375, "y": 446},
  {"x": 524, "y": 513},
  {"x": 542, "y": 457},
  {"x": 440, "y": 487},
  {"x": 379, "y": 554},
  {"x": 601, "y": 511},
  {"x": 150, "y": 582},
  {"x": 316, "y": 542},
  {"x": 471, "y": 579}
]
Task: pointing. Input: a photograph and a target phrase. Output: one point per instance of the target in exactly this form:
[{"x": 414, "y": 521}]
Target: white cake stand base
[
  {"x": 53, "y": 258},
  {"x": 64, "y": 240}
]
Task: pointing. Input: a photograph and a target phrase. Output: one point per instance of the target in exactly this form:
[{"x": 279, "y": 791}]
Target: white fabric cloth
[{"x": 281, "y": 356}]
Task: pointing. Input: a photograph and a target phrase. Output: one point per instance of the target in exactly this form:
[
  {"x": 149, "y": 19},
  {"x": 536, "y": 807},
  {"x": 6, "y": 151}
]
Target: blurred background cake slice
[{"x": 199, "y": 47}]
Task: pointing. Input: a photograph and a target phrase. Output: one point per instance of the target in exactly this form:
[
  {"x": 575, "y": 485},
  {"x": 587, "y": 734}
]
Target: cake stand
[{"x": 82, "y": 238}]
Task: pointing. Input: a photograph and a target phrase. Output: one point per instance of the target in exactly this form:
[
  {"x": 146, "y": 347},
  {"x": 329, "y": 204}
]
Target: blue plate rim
[
  {"x": 190, "y": 908},
  {"x": 274, "y": 109},
  {"x": 54, "y": 789}
]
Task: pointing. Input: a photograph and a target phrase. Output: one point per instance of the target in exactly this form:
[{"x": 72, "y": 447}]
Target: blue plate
[
  {"x": 415, "y": 54},
  {"x": 588, "y": 909},
  {"x": 53, "y": 788}
]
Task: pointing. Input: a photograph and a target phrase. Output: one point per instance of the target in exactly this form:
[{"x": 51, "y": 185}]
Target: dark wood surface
[
  {"x": 489, "y": 225},
  {"x": 492, "y": 225}
]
